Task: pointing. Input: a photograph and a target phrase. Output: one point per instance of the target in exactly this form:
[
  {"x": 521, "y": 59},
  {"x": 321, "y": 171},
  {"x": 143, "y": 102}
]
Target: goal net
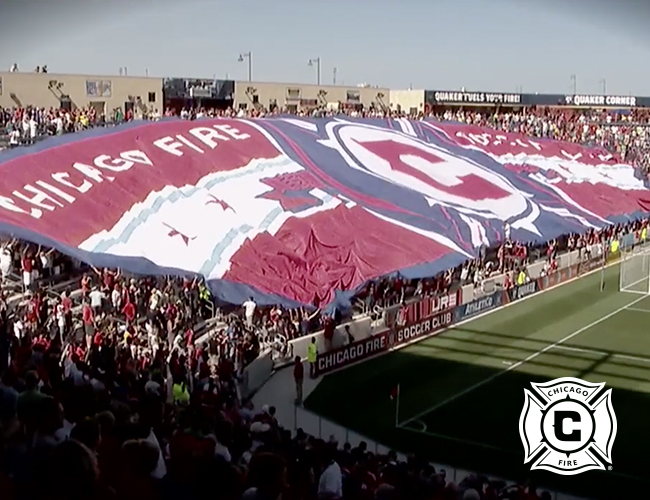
[{"x": 635, "y": 271}]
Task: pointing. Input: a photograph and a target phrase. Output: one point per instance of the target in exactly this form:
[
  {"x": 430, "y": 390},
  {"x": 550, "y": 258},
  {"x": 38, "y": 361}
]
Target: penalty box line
[
  {"x": 519, "y": 363},
  {"x": 423, "y": 431}
]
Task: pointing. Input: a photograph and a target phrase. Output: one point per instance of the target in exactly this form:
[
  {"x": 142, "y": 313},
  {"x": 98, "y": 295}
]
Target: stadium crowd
[
  {"x": 626, "y": 134},
  {"x": 25, "y": 126},
  {"x": 108, "y": 391}
]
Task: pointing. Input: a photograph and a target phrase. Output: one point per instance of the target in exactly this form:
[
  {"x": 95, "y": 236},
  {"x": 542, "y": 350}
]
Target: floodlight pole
[
  {"x": 574, "y": 80},
  {"x": 249, "y": 56},
  {"x": 316, "y": 61}
]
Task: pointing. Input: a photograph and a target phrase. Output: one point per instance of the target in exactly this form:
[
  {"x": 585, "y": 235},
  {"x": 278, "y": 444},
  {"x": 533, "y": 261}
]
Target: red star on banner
[
  {"x": 292, "y": 190},
  {"x": 175, "y": 232},
  {"x": 217, "y": 201}
]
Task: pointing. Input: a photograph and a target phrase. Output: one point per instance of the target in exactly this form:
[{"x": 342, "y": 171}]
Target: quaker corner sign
[{"x": 601, "y": 100}]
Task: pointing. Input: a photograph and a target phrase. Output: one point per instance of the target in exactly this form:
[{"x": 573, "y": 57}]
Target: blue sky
[{"x": 492, "y": 45}]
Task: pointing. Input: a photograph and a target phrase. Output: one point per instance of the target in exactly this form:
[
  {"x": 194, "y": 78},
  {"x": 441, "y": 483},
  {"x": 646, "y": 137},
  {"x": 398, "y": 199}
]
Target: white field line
[
  {"x": 637, "y": 309},
  {"x": 460, "y": 440},
  {"x": 602, "y": 353},
  {"x": 521, "y": 362}
]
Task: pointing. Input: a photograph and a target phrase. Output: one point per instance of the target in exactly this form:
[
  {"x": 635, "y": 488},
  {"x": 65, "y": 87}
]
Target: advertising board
[
  {"x": 557, "y": 277},
  {"x": 521, "y": 291},
  {"x": 590, "y": 264},
  {"x": 423, "y": 308},
  {"x": 382, "y": 342},
  {"x": 478, "y": 306}
]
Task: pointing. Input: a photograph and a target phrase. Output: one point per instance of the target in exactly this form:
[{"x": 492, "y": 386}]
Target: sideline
[{"x": 521, "y": 362}]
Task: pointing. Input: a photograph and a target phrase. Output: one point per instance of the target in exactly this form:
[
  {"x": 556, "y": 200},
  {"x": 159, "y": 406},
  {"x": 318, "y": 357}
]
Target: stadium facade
[{"x": 106, "y": 93}]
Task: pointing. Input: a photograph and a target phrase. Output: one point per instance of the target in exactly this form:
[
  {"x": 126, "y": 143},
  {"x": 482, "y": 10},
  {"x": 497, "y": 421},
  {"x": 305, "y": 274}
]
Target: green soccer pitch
[{"x": 462, "y": 392}]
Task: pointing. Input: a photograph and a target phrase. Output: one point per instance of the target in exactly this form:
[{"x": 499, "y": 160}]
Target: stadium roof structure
[{"x": 303, "y": 211}]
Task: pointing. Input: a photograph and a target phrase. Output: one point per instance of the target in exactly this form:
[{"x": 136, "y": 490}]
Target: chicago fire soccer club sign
[{"x": 568, "y": 426}]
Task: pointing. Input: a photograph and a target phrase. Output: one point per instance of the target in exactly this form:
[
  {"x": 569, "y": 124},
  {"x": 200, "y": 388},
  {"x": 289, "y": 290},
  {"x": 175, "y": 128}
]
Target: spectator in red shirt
[
  {"x": 66, "y": 304},
  {"x": 27, "y": 266},
  {"x": 507, "y": 282},
  {"x": 85, "y": 285},
  {"x": 89, "y": 321},
  {"x": 328, "y": 331},
  {"x": 129, "y": 310}
]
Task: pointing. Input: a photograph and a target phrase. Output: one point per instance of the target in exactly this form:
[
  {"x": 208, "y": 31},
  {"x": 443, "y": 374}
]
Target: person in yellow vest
[
  {"x": 312, "y": 354},
  {"x": 521, "y": 277},
  {"x": 644, "y": 234},
  {"x": 180, "y": 393},
  {"x": 614, "y": 246},
  {"x": 204, "y": 301}
]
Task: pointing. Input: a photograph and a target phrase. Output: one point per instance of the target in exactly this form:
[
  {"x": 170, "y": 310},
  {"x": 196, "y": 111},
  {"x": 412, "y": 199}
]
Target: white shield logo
[{"x": 568, "y": 426}]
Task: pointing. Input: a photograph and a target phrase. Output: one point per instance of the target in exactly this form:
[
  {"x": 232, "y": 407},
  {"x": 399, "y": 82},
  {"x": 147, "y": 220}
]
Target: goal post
[{"x": 635, "y": 270}]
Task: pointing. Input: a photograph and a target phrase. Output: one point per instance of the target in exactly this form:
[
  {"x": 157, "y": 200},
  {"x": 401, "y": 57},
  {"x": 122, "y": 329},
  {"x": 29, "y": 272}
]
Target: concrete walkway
[{"x": 279, "y": 391}]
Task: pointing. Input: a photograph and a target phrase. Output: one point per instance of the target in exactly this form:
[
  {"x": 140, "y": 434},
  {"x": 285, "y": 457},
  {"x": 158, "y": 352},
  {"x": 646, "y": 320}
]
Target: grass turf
[{"x": 461, "y": 392}]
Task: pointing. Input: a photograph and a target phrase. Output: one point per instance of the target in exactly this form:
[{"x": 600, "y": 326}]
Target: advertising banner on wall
[
  {"x": 557, "y": 277},
  {"x": 438, "y": 97},
  {"x": 588, "y": 265},
  {"x": 460, "y": 98},
  {"x": 478, "y": 306},
  {"x": 521, "y": 291},
  {"x": 382, "y": 342},
  {"x": 423, "y": 308},
  {"x": 595, "y": 101}
]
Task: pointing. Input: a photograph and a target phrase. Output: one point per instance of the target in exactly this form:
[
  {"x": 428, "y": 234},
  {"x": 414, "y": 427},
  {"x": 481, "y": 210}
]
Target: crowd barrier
[{"x": 256, "y": 374}]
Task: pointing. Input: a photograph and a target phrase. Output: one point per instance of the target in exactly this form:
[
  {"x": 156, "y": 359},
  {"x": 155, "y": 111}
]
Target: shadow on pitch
[{"x": 488, "y": 414}]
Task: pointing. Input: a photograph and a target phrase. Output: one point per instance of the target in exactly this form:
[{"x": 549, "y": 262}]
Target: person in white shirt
[
  {"x": 96, "y": 298},
  {"x": 33, "y": 126},
  {"x": 19, "y": 329},
  {"x": 14, "y": 137},
  {"x": 249, "y": 310},
  {"x": 60, "y": 318},
  {"x": 46, "y": 262},
  {"x": 330, "y": 484},
  {"x": 6, "y": 263},
  {"x": 154, "y": 299},
  {"x": 58, "y": 124}
]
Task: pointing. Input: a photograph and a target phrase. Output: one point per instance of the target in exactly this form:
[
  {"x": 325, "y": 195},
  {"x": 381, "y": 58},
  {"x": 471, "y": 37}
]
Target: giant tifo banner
[{"x": 303, "y": 211}]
